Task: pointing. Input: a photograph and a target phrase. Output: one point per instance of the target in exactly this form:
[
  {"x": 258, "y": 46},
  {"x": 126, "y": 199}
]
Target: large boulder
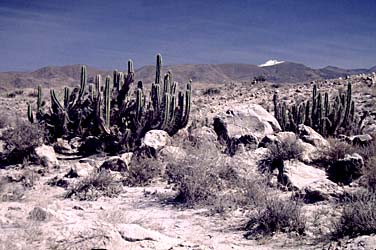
[
  {"x": 156, "y": 139},
  {"x": 309, "y": 135},
  {"x": 244, "y": 124},
  {"x": 245, "y": 119},
  {"x": 347, "y": 169},
  {"x": 46, "y": 156},
  {"x": 311, "y": 183}
]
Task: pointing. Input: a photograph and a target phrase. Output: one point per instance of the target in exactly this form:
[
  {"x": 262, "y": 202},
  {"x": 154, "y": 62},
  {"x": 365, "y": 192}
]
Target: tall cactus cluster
[
  {"x": 326, "y": 117},
  {"x": 120, "y": 114}
]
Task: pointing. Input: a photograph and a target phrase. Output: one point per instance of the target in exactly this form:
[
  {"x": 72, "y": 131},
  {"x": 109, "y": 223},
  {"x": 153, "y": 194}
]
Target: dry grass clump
[
  {"x": 276, "y": 215},
  {"x": 94, "y": 186},
  {"x": 358, "y": 216}
]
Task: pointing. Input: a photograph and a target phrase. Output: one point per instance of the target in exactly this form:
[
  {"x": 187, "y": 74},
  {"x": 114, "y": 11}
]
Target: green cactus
[
  {"x": 107, "y": 102},
  {"x": 83, "y": 81},
  {"x": 30, "y": 115},
  {"x": 120, "y": 117},
  {"x": 326, "y": 118}
]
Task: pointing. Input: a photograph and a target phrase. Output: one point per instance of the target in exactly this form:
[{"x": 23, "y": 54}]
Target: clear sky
[{"x": 104, "y": 34}]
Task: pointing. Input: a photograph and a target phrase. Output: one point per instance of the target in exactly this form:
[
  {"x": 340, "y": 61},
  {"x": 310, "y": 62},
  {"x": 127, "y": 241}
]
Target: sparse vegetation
[
  {"x": 125, "y": 116},
  {"x": 20, "y": 142},
  {"x": 142, "y": 171},
  {"x": 279, "y": 152},
  {"x": 276, "y": 215},
  {"x": 358, "y": 216},
  {"x": 94, "y": 186},
  {"x": 325, "y": 117}
]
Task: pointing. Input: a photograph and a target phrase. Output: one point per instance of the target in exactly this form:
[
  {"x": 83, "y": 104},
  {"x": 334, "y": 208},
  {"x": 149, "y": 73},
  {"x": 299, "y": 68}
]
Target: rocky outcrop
[
  {"x": 309, "y": 135},
  {"x": 311, "y": 183},
  {"x": 244, "y": 124}
]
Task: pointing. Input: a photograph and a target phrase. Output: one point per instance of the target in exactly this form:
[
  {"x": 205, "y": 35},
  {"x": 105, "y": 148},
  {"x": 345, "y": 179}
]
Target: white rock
[
  {"x": 47, "y": 155},
  {"x": 156, "y": 139}
]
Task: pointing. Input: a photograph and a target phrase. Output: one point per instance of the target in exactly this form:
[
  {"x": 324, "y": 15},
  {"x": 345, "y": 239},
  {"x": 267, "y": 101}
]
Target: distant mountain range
[{"x": 280, "y": 72}]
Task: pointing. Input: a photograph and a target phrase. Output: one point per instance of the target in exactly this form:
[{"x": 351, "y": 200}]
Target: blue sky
[{"x": 105, "y": 34}]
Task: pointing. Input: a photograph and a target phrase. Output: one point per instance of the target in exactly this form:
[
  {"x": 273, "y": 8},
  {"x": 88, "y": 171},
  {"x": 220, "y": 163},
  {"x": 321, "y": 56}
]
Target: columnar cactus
[
  {"x": 326, "y": 118},
  {"x": 117, "y": 113}
]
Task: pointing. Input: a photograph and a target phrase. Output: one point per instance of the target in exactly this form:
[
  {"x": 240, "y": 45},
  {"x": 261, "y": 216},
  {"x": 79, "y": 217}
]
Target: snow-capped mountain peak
[{"x": 270, "y": 63}]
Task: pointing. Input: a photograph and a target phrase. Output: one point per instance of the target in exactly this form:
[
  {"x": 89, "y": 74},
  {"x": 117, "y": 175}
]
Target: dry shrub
[
  {"x": 205, "y": 178},
  {"x": 20, "y": 142},
  {"x": 276, "y": 215},
  {"x": 370, "y": 173},
  {"x": 338, "y": 149},
  {"x": 94, "y": 186},
  {"x": 278, "y": 153},
  {"x": 143, "y": 170},
  {"x": 358, "y": 216}
]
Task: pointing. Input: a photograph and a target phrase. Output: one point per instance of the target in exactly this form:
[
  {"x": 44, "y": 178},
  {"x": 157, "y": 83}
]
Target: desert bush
[
  {"x": 339, "y": 149},
  {"x": 358, "y": 216},
  {"x": 279, "y": 152},
  {"x": 205, "y": 178},
  {"x": 20, "y": 142},
  {"x": 276, "y": 215},
  {"x": 370, "y": 173},
  {"x": 94, "y": 186},
  {"x": 212, "y": 91},
  {"x": 142, "y": 171}
]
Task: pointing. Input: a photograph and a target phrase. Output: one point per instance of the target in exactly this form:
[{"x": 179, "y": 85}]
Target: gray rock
[
  {"x": 241, "y": 120},
  {"x": 46, "y": 156},
  {"x": 347, "y": 169},
  {"x": 118, "y": 163},
  {"x": 311, "y": 183},
  {"x": 156, "y": 139},
  {"x": 309, "y": 135}
]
